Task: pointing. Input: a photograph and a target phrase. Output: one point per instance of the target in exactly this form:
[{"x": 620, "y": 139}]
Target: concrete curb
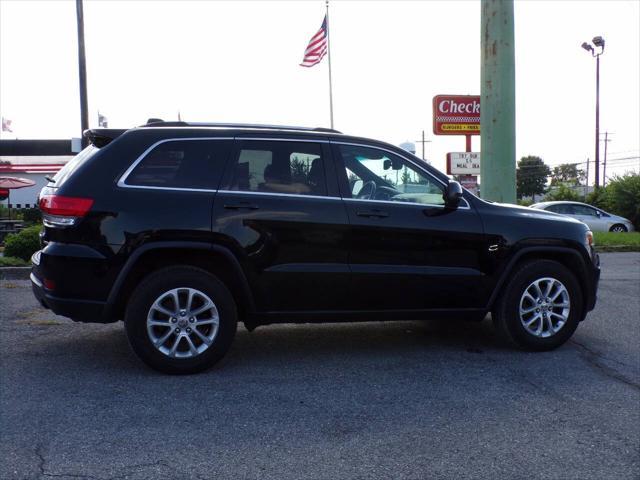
[{"x": 15, "y": 273}]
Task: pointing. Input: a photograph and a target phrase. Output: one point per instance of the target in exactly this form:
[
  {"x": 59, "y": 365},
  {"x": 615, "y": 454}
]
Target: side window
[
  {"x": 279, "y": 167},
  {"x": 562, "y": 208},
  {"x": 378, "y": 175},
  {"x": 566, "y": 209},
  {"x": 182, "y": 164},
  {"x": 584, "y": 210}
]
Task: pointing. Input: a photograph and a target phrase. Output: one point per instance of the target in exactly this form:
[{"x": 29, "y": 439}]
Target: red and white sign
[
  {"x": 463, "y": 163},
  {"x": 470, "y": 182},
  {"x": 456, "y": 115}
]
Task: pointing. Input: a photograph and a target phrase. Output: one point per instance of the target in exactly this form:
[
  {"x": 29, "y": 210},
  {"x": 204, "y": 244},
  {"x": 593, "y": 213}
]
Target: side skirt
[{"x": 339, "y": 316}]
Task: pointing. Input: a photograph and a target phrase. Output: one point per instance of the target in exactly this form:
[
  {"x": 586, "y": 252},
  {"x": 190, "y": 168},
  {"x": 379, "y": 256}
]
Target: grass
[
  {"x": 617, "y": 242},
  {"x": 13, "y": 262}
]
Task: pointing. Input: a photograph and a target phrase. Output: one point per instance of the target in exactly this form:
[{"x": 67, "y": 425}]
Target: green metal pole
[{"x": 498, "y": 100}]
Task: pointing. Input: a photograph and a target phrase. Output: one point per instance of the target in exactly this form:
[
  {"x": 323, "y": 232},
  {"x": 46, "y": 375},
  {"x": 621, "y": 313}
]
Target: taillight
[{"x": 60, "y": 211}]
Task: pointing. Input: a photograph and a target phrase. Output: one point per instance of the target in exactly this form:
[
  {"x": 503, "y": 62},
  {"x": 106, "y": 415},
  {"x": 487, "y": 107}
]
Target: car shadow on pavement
[
  {"x": 106, "y": 346},
  {"x": 353, "y": 339}
]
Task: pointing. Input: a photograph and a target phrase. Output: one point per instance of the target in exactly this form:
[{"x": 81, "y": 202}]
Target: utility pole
[
  {"x": 424, "y": 143},
  {"x": 598, "y": 121},
  {"x": 604, "y": 171},
  {"x": 498, "y": 111},
  {"x": 82, "y": 71},
  {"x": 586, "y": 190},
  {"x": 598, "y": 43}
]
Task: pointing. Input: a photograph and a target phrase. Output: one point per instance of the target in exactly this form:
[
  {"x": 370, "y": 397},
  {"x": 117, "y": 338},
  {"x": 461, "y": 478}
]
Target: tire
[
  {"x": 208, "y": 341},
  {"x": 618, "y": 227},
  {"x": 549, "y": 333}
]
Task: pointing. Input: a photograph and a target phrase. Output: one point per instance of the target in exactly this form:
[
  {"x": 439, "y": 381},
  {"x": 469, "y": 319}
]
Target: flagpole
[
  {"x": 82, "y": 73},
  {"x": 329, "y": 52}
]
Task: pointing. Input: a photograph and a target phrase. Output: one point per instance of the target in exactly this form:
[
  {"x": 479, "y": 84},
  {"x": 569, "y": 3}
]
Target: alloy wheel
[
  {"x": 544, "y": 307},
  {"x": 182, "y": 323}
]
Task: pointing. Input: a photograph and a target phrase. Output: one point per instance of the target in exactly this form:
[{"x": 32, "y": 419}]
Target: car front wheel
[
  {"x": 618, "y": 228},
  {"x": 181, "y": 320},
  {"x": 540, "y": 307}
]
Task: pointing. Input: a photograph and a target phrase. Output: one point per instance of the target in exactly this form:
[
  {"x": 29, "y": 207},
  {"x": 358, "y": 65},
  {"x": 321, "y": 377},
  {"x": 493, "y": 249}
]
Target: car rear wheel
[
  {"x": 619, "y": 228},
  {"x": 540, "y": 307},
  {"x": 181, "y": 320}
]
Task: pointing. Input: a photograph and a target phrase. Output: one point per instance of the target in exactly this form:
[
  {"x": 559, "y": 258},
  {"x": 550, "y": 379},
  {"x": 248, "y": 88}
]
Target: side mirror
[
  {"x": 452, "y": 194},
  {"x": 395, "y": 164}
]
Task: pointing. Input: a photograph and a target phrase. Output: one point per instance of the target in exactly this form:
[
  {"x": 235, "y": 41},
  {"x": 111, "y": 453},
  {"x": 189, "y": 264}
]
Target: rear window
[
  {"x": 194, "y": 164},
  {"x": 72, "y": 165}
]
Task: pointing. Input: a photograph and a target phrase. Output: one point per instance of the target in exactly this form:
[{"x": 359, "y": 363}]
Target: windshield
[{"x": 72, "y": 165}]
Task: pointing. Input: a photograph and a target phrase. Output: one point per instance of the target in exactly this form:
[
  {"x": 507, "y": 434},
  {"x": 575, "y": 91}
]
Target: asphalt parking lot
[{"x": 388, "y": 400}]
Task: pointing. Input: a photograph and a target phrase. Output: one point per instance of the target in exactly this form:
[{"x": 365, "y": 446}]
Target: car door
[
  {"x": 406, "y": 250},
  {"x": 588, "y": 215},
  {"x": 280, "y": 209},
  {"x": 174, "y": 182}
]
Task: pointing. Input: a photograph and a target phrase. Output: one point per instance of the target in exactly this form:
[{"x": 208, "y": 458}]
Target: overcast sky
[{"x": 239, "y": 62}]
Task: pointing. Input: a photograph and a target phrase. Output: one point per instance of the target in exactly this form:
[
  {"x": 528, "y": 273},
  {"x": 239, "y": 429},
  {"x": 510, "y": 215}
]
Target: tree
[
  {"x": 567, "y": 174},
  {"x": 598, "y": 198},
  {"x": 563, "y": 192},
  {"x": 531, "y": 176},
  {"x": 406, "y": 176},
  {"x": 299, "y": 170}
]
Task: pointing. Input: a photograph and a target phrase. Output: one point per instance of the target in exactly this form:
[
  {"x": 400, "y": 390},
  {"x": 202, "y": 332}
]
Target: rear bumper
[{"x": 77, "y": 309}]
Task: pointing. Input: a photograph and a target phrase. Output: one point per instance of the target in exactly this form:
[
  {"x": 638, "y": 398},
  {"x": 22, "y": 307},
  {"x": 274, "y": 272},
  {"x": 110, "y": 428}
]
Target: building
[{"x": 32, "y": 159}]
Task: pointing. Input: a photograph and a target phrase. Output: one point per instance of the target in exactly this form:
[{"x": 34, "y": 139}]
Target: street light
[{"x": 598, "y": 44}]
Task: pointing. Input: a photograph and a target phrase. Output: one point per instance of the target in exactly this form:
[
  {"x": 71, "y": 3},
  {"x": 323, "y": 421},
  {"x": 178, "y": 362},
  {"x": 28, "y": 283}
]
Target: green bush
[
  {"x": 598, "y": 198},
  {"x": 32, "y": 215},
  {"x": 525, "y": 203},
  {"x": 23, "y": 244},
  {"x": 562, "y": 193},
  {"x": 623, "y": 197}
]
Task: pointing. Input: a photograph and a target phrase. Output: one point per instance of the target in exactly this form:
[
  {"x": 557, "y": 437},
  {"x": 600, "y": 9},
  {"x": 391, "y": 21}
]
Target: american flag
[
  {"x": 102, "y": 121},
  {"x": 6, "y": 125},
  {"x": 317, "y": 47}
]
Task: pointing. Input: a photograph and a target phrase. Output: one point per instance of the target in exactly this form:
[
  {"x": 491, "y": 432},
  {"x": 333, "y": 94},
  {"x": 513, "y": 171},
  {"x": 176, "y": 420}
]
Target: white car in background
[{"x": 598, "y": 220}]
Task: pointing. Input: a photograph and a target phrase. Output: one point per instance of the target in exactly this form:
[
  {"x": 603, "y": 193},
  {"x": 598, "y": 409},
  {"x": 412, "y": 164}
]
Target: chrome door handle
[
  {"x": 241, "y": 206},
  {"x": 375, "y": 213}
]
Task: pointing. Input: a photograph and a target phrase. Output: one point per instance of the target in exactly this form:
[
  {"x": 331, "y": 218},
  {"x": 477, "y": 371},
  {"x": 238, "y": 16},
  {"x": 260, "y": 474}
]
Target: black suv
[{"x": 182, "y": 230}]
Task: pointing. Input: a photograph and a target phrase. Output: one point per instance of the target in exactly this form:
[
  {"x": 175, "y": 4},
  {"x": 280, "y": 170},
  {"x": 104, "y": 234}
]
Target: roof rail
[{"x": 156, "y": 122}]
